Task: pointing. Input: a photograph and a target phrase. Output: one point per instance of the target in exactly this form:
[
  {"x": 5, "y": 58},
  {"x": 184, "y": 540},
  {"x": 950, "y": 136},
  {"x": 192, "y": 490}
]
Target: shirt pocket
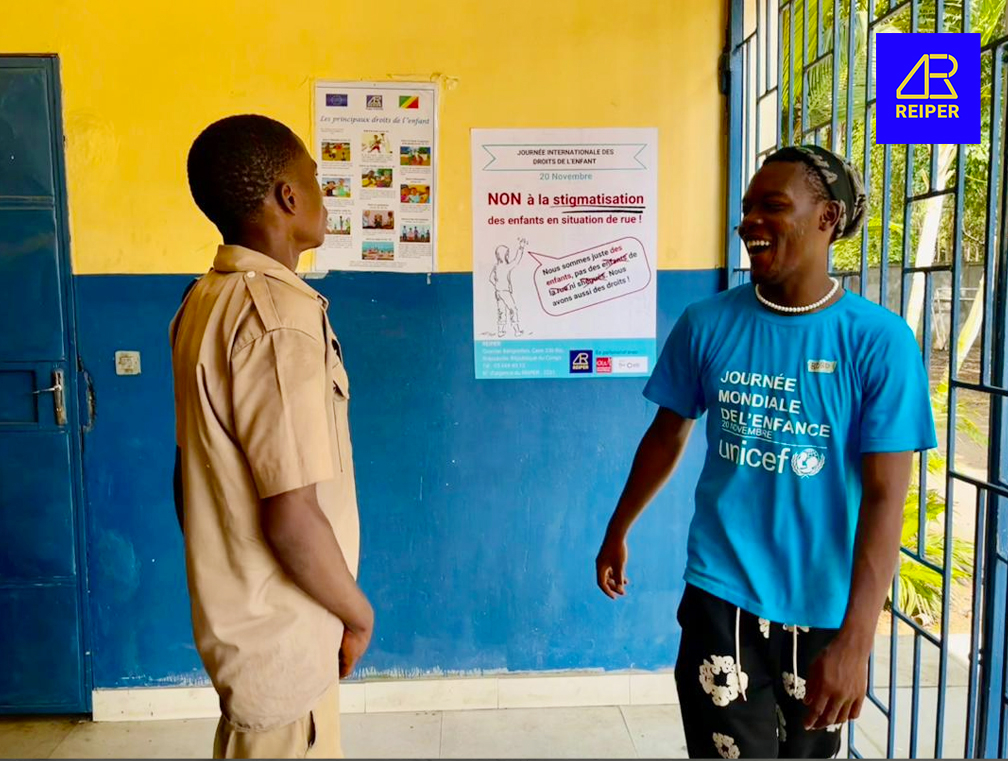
[{"x": 340, "y": 383}]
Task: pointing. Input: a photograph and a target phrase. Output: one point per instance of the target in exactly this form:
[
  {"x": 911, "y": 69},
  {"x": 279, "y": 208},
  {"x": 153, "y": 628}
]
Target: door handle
[{"x": 59, "y": 397}]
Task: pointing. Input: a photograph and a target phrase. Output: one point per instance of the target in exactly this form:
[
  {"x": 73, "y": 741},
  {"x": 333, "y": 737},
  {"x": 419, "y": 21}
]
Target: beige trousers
[{"x": 314, "y": 735}]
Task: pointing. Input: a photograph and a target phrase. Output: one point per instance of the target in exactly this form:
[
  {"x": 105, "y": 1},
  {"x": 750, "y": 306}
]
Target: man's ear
[
  {"x": 830, "y": 218},
  {"x": 284, "y": 194}
]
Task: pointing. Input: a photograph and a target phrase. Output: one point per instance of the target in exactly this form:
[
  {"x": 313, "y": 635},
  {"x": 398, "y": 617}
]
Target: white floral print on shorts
[
  {"x": 794, "y": 685},
  {"x": 736, "y": 680},
  {"x": 726, "y": 746},
  {"x": 799, "y": 628}
]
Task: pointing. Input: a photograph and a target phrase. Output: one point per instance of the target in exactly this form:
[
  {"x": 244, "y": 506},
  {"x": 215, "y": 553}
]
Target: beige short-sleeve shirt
[{"x": 261, "y": 400}]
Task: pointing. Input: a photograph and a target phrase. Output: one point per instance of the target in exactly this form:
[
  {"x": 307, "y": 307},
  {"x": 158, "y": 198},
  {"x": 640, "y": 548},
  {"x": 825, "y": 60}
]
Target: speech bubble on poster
[{"x": 591, "y": 276}]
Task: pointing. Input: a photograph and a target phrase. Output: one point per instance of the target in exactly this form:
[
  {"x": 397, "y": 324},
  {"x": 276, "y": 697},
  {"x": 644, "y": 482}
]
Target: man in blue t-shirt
[{"x": 816, "y": 401}]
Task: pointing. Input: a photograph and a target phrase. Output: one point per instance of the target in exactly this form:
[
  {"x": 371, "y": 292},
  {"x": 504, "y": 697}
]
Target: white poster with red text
[{"x": 565, "y": 233}]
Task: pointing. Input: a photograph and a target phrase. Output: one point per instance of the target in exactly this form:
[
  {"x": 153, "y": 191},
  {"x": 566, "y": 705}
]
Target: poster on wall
[
  {"x": 376, "y": 147},
  {"x": 564, "y": 252}
]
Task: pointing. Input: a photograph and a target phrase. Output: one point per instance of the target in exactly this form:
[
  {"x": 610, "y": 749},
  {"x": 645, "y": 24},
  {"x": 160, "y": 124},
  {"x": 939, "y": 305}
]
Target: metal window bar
[
  {"x": 973, "y": 674},
  {"x": 751, "y": 88},
  {"x": 993, "y": 639}
]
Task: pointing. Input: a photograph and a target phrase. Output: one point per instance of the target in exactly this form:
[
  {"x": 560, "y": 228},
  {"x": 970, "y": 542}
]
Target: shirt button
[{"x": 249, "y": 274}]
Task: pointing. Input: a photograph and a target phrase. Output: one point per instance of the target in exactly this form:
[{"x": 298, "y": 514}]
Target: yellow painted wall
[{"x": 140, "y": 79}]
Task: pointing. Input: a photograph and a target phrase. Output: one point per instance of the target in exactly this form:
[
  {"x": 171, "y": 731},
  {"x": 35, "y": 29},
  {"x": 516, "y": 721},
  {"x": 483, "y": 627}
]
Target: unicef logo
[{"x": 808, "y": 462}]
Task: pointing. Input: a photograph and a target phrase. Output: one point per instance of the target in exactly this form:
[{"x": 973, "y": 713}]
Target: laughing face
[{"x": 782, "y": 224}]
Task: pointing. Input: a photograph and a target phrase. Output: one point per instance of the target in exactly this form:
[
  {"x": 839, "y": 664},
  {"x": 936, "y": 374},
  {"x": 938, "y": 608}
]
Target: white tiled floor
[
  {"x": 628, "y": 732},
  {"x": 537, "y": 733}
]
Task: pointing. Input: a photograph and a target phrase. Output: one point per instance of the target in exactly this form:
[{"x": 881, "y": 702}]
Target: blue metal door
[
  {"x": 41, "y": 624},
  {"x": 935, "y": 250}
]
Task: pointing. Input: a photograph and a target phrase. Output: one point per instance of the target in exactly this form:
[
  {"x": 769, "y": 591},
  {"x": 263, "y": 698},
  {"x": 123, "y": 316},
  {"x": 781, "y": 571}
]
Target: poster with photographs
[{"x": 376, "y": 146}]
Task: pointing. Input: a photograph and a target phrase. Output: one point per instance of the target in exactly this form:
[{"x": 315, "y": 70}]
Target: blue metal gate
[{"x": 934, "y": 249}]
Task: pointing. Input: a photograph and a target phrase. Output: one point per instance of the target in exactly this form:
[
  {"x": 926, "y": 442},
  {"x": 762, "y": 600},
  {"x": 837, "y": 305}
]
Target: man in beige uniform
[{"x": 270, "y": 510}]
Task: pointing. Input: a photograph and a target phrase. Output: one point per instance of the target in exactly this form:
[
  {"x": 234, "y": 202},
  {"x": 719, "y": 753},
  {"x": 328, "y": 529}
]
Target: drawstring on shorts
[
  {"x": 738, "y": 653},
  {"x": 794, "y": 654}
]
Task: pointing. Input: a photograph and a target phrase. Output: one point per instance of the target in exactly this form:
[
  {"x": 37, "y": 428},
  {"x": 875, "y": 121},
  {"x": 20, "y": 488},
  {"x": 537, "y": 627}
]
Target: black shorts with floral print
[{"x": 740, "y": 683}]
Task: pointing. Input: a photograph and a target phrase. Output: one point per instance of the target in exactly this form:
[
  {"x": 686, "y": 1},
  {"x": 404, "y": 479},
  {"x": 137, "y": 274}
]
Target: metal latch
[{"x": 59, "y": 398}]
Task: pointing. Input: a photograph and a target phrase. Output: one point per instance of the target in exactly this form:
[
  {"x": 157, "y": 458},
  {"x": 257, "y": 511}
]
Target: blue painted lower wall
[{"x": 482, "y": 503}]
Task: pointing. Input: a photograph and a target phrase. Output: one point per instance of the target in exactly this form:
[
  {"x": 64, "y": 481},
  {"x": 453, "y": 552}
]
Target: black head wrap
[{"x": 842, "y": 181}]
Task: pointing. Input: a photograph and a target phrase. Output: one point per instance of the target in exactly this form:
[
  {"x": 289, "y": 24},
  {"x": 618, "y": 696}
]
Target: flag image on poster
[{"x": 564, "y": 252}]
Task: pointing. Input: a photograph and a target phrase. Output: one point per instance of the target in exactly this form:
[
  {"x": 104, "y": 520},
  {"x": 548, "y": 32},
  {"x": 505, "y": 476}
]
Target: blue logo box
[
  {"x": 582, "y": 361},
  {"x": 927, "y": 88}
]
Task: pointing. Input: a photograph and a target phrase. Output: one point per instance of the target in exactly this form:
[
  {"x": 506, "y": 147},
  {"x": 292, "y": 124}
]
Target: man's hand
[
  {"x": 610, "y": 566},
  {"x": 837, "y": 683},
  {"x": 838, "y": 680},
  {"x": 355, "y": 644},
  {"x": 657, "y": 454}
]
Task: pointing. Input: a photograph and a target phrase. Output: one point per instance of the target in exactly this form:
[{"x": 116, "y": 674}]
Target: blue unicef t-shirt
[{"x": 792, "y": 403}]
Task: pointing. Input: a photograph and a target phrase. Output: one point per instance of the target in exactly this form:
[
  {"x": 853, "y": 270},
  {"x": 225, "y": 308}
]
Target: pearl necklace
[{"x": 799, "y": 310}]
